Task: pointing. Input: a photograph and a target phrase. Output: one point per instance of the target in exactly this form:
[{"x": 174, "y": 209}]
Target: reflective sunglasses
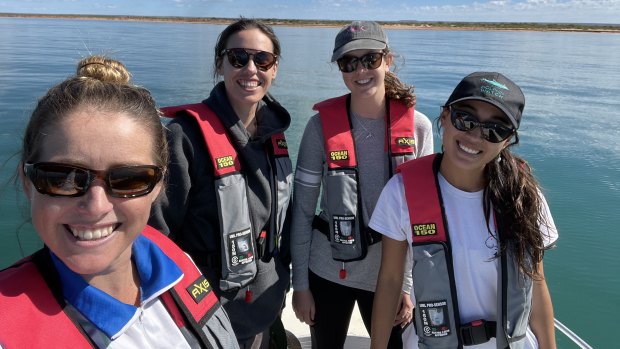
[
  {"x": 56, "y": 179},
  {"x": 370, "y": 61},
  {"x": 240, "y": 57},
  {"x": 493, "y": 132}
]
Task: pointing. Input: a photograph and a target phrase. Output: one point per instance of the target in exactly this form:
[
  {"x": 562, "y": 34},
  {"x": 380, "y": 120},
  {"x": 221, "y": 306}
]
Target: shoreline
[{"x": 402, "y": 25}]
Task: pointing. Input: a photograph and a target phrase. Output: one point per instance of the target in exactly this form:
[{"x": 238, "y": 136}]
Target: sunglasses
[
  {"x": 56, "y": 179},
  {"x": 370, "y": 61},
  {"x": 240, "y": 57},
  {"x": 493, "y": 132}
]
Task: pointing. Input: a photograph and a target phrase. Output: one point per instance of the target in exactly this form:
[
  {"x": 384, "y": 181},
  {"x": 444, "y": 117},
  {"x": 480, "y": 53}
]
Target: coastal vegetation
[{"x": 412, "y": 24}]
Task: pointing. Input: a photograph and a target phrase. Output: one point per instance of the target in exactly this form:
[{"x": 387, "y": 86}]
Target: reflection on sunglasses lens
[
  {"x": 491, "y": 131},
  {"x": 371, "y": 61},
  {"x": 239, "y": 58}
]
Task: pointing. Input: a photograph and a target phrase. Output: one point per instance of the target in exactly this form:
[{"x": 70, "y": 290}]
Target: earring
[{"x": 498, "y": 159}]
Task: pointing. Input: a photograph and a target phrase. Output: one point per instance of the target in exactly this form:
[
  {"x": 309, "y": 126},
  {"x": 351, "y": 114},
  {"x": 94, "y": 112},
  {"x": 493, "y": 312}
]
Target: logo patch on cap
[
  {"x": 199, "y": 289},
  {"x": 494, "y": 89},
  {"x": 339, "y": 155},
  {"x": 356, "y": 27},
  {"x": 424, "y": 229},
  {"x": 225, "y": 161}
]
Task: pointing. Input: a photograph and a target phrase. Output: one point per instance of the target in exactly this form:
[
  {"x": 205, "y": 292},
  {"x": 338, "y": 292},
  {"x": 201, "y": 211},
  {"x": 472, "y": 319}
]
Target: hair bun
[{"x": 103, "y": 69}]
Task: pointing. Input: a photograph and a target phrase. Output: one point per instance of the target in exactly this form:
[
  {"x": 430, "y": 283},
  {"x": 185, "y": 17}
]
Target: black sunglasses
[
  {"x": 493, "y": 132},
  {"x": 240, "y": 57},
  {"x": 56, "y": 179},
  {"x": 348, "y": 64}
]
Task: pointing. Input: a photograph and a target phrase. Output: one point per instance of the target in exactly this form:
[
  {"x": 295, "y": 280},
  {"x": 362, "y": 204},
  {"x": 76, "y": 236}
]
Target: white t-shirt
[{"x": 473, "y": 248}]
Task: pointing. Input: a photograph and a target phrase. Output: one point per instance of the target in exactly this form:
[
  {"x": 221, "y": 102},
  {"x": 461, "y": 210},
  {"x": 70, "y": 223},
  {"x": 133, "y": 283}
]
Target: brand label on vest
[
  {"x": 405, "y": 141},
  {"x": 339, "y": 155},
  {"x": 424, "y": 229},
  {"x": 281, "y": 143},
  {"x": 435, "y": 321},
  {"x": 199, "y": 289},
  {"x": 344, "y": 226},
  {"x": 240, "y": 248},
  {"x": 225, "y": 161}
]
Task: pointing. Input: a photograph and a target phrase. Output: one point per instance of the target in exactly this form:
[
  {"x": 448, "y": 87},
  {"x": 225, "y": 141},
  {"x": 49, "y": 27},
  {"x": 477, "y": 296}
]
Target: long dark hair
[{"x": 515, "y": 194}]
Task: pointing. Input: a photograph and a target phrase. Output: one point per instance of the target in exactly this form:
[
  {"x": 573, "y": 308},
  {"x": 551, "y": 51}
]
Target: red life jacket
[
  {"x": 345, "y": 227},
  {"x": 434, "y": 271},
  {"x": 32, "y": 314},
  {"x": 238, "y": 250}
]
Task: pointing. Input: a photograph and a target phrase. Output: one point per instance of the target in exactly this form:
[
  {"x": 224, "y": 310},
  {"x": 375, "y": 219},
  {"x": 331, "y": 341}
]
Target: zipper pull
[{"x": 343, "y": 272}]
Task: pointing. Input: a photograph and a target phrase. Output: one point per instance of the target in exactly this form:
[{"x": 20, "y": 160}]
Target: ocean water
[{"x": 569, "y": 131}]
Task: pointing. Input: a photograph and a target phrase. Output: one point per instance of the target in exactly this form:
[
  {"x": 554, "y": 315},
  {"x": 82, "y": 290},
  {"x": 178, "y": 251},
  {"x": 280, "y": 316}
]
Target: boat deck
[{"x": 357, "y": 337}]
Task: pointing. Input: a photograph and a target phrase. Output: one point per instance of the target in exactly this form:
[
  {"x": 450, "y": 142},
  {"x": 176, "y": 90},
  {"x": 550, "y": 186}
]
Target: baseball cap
[
  {"x": 359, "y": 35},
  {"x": 493, "y": 88}
]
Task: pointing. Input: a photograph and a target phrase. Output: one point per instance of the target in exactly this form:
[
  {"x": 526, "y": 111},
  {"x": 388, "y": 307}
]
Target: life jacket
[
  {"x": 433, "y": 272},
  {"x": 345, "y": 227},
  {"x": 33, "y": 314},
  {"x": 238, "y": 247}
]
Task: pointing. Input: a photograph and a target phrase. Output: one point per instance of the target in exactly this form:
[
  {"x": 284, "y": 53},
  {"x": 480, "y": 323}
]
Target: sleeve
[
  {"x": 423, "y": 134},
  {"x": 307, "y": 187},
  {"x": 171, "y": 207},
  {"x": 547, "y": 226},
  {"x": 387, "y": 218}
]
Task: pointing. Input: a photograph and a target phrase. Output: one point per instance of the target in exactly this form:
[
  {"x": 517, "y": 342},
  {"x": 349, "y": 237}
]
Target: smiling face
[
  {"x": 93, "y": 234},
  {"x": 367, "y": 83},
  {"x": 466, "y": 153},
  {"x": 246, "y": 86}
]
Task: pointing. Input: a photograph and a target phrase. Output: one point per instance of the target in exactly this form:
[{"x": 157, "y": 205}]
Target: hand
[
  {"x": 405, "y": 314},
  {"x": 303, "y": 306}
]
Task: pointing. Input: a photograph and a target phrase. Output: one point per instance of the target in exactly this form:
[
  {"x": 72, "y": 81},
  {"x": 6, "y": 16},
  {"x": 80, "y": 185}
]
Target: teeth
[
  {"x": 92, "y": 234},
  {"x": 364, "y": 81},
  {"x": 468, "y": 150},
  {"x": 246, "y": 83}
]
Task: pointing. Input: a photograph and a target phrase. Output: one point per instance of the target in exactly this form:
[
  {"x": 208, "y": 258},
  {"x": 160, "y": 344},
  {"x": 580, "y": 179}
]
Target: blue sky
[{"x": 573, "y": 11}]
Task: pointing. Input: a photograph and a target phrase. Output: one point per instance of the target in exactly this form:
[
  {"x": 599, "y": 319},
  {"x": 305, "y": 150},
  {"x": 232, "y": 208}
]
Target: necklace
[{"x": 367, "y": 126}]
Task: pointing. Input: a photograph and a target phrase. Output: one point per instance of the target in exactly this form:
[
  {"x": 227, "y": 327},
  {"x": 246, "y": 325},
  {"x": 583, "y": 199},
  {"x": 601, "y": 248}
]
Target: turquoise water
[{"x": 569, "y": 132}]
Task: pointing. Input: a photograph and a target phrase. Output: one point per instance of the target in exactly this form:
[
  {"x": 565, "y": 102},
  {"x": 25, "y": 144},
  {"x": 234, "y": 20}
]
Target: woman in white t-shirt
[{"x": 471, "y": 218}]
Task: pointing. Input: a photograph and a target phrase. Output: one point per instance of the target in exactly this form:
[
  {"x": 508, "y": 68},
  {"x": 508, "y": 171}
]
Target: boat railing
[{"x": 571, "y": 335}]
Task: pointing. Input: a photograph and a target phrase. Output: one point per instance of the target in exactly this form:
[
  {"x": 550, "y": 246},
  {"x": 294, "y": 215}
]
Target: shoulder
[{"x": 422, "y": 121}]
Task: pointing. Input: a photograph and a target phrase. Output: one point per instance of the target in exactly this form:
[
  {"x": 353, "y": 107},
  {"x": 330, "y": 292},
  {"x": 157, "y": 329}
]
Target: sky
[{"x": 555, "y": 11}]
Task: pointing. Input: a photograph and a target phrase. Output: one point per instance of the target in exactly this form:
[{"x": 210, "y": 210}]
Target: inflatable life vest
[
  {"x": 345, "y": 228},
  {"x": 32, "y": 304},
  {"x": 238, "y": 243},
  {"x": 437, "y": 313}
]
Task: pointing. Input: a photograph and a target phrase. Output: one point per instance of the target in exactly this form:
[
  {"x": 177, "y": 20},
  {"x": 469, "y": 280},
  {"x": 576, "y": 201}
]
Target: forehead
[
  {"x": 97, "y": 140},
  {"x": 250, "y": 38}
]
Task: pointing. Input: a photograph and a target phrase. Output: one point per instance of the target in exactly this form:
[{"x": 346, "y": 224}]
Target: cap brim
[
  {"x": 359, "y": 44},
  {"x": 493, "y": 102}
]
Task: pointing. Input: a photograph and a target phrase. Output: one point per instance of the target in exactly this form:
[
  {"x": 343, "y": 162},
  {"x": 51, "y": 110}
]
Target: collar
[{"x": 158, "y": 273}]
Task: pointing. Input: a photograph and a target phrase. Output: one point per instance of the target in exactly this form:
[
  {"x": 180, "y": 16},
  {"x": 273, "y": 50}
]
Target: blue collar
[{"x": 157, "y": 271}]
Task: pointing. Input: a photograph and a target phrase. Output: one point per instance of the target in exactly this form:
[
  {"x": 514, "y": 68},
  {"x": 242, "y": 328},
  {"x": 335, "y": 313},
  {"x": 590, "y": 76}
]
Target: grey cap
[
  {"x": 359, "y": 35},
  {"x": 493, "y": 88}
]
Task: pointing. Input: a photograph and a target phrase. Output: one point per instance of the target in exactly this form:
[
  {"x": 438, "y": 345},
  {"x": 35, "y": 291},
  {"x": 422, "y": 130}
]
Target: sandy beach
[{"x": 405, "y": 25}]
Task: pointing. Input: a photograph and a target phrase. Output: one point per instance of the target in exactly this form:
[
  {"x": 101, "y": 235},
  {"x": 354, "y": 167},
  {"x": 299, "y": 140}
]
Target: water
[{"x": 569, "y": 132}]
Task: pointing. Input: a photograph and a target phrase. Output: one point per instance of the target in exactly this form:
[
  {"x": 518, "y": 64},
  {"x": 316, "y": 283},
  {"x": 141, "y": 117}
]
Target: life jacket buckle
[{"x": 477, "y": 332}]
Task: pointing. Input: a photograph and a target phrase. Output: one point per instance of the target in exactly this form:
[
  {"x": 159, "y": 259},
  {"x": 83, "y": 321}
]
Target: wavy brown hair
[{"x": 397, "y": 90}]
